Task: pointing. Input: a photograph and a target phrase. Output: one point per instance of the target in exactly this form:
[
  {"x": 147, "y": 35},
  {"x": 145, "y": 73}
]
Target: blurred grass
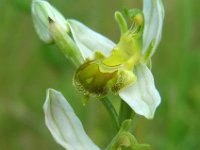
[{"x": 28, "y": 67}]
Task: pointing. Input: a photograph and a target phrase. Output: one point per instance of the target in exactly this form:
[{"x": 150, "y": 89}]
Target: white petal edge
[
  {"x": 41, "y": 10},
  {"x": 142, "y": 95},
  {"x": 88, "y": 40},
  {"x": 63, "y": 123},
  {"x": 154, "y": 15}
]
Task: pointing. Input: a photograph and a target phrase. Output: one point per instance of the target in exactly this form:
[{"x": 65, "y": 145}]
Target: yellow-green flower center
[{"x": 103, "y": 74}]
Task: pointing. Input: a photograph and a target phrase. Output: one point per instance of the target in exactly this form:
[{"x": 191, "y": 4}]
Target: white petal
[
  {"x": 41, "y": 10},
  {"x": 153, "y": 14},
  {"x": 142, "y": 96},
  {"x": 88, "y": 40},
  {"x": 63, "y": 123}
]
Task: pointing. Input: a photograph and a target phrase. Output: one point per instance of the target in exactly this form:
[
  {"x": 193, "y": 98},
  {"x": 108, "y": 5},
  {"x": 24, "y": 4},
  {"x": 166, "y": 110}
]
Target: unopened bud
[
  {"x": 41, "y": 11},
  {"x": 65, "y": 43}
]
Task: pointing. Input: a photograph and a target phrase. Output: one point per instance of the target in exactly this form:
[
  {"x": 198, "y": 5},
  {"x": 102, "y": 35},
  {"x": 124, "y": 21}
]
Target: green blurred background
[{"x": 28, "y": 67}]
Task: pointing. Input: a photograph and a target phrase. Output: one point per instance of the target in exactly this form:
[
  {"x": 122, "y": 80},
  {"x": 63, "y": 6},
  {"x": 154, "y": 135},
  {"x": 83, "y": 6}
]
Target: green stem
[
  {"x": 125, "y": 112},
  {"x": 112, "y": 111}
]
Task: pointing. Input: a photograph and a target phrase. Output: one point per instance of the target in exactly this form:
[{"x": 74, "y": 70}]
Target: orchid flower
[
  {"x": 124, "y": 63},
  {"x": 137, "y": 89},
  {"x": 102, "y": 65}
]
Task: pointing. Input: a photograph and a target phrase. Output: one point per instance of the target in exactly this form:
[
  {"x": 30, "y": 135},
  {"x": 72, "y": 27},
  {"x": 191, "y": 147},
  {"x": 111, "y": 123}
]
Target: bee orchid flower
[{"x": 122, "y": 68}]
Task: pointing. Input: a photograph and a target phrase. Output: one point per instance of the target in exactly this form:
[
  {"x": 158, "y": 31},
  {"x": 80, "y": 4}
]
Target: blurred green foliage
[{"x": 28, "y": 67}]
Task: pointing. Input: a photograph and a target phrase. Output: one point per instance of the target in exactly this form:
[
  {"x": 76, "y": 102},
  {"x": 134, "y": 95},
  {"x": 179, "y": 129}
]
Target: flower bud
[
  {"x": 41, "y": 11},
  {"x": 65, "y": 43}
]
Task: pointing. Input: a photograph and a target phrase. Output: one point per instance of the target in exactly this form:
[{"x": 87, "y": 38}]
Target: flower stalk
[
  {"x": 112, "y": 111},
  {"x": 125, "y": 112}
]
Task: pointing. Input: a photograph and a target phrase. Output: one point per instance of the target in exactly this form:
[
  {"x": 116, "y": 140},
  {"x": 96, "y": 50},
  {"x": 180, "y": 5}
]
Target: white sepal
[
  {"x": 41, "y": 10},
  {"x": 142, "y": 95},
  {"x": 153, "y": 15},
  {"x": 88, "y": 40},
  {"x": 63, "y": 123}
]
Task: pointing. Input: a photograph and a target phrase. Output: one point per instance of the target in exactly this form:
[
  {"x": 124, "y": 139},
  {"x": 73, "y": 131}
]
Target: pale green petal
[
  {"x": 154, "y": 15},
  {"x": 88, "y": 40},
  {"x": 142, "y": 96},
  {"x": 41, "y": 10},
  {"x": 63, "y": 123}
]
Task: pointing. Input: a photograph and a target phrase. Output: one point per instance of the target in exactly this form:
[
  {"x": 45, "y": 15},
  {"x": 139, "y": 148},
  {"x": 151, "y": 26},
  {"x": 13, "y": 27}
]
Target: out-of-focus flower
[{"x": 64, "y": 125}]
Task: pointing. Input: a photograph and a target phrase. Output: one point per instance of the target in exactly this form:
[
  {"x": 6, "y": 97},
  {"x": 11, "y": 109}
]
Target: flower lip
[{"x": 90, "y": 80}]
